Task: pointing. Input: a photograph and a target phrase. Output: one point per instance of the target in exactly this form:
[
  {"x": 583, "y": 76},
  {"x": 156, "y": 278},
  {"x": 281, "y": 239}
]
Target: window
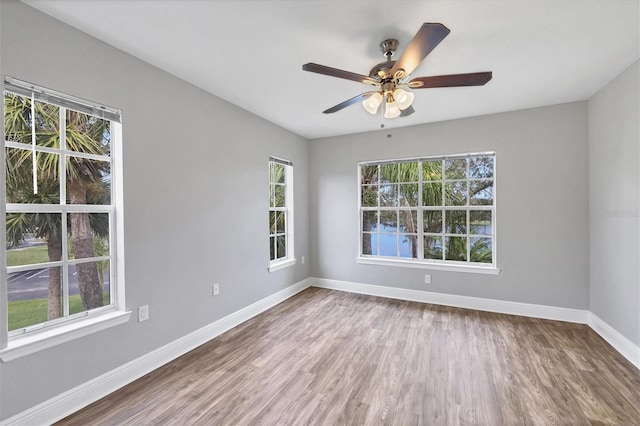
[
  {"x": 280, "y": 213},
  {"x": 435, "y": 211},
  {"x": 60, "y": 209}
]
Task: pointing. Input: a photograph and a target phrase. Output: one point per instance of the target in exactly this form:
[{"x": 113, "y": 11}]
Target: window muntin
[
  {"x": 60, "y": 232},
  {"x": 437, "y": 210},
  {"x": 280, "y": 210}
]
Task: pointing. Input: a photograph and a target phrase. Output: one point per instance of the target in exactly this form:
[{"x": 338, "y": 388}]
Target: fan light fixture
[
  {"x": 372, "y": 103},
  {"x": 396, "y": 102}
]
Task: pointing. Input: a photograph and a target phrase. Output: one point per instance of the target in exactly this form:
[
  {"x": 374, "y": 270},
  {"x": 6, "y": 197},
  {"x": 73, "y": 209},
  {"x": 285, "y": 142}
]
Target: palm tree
[{"x": 84, "y": 185}]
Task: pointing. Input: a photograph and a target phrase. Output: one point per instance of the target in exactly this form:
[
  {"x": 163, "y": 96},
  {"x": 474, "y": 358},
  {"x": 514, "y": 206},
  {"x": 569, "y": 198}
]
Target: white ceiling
[{"x": 250, "y": 52}]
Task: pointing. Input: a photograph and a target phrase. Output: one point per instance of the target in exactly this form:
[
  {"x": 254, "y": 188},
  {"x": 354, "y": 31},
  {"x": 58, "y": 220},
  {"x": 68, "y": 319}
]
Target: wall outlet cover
[{"x": 143, "y": 313}]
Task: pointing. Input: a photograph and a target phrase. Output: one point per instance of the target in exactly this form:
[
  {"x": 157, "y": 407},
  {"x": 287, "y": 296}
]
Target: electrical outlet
[
  {"x": 143, "y": 313},
  {"x": 302, "y": 260},
  {"x": 427, "y": 279},
  {"x": 216, "y": 289}
]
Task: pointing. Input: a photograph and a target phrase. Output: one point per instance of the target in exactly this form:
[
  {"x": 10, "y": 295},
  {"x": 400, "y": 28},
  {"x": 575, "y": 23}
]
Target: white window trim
[
  {"x": 290, "y": 260},
  {"x": 281, "y": 264},
  {"x": 52, "y": 336},
  {"x": 18, "y": 346},
  {"x": 444, "y": 265},
  {"x": 421, "y": 264}
]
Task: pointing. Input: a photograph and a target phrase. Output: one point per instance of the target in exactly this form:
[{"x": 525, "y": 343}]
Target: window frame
[
  {"x": 420, "y": 261},
  {"x": 287, "y": 209},
  {"x": 36, "y": 337}
]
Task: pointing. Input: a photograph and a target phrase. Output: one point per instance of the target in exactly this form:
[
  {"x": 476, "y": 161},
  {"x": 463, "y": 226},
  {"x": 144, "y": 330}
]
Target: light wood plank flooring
[{"x": 327, "y": 357}]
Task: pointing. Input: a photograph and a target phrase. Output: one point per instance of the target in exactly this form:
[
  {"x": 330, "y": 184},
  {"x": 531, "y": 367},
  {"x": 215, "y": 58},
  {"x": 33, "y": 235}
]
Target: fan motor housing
[{"x": 382, "y": 70}]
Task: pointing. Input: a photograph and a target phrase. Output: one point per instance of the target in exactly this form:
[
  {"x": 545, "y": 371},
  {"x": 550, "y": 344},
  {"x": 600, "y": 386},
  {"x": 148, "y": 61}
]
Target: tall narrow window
[
  {"x": 437, "y": 210},
  {"x": 280, "y": 213},
  {"x": 60, "y": 208}
]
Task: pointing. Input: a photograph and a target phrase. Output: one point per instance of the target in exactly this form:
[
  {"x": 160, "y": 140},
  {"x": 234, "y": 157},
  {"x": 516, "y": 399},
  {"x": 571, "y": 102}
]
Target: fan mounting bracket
[{"x": 388, "y": 47}]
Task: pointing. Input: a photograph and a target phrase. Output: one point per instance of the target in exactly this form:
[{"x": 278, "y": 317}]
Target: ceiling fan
[{"x": 391, "y": 78}]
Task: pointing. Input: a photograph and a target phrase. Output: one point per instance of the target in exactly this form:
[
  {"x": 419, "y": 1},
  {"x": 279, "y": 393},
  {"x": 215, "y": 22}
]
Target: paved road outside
[{"x": 34, "y": 284}]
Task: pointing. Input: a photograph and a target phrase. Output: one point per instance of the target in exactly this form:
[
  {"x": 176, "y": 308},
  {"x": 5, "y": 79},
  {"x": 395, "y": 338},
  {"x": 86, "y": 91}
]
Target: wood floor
[{"x": 327, "y": 357}]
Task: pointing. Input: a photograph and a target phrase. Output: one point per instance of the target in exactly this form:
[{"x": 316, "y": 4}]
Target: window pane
[
  {"x": 34, "y": 297},
  {"x": 455, "y": 169},
  {"x": 408, "y": 194},
  {"x": 272, "y": 222},
  {"x": 88, "y": 181},
  {"x": 33, "y": 238},
  {"x": 272, "y": 247},
  {"x": 19, "y": 175},
  {"x": 276, "y": 172},
  {"x": 480, "y": 222},
  {"x": 281, "y": 246},
  {"x": 481, "y": 250},
  {"x": 370, "y": 221},
  {"x": 87, "y": 134},
  {"x": 388, "y": 244},
  {"x": 47, "y": 125},
  {"x": 408, "y": 172},
  {"x": 370, "y": 196},
  {"x": 456, "y": 248},
  {"x": 432, "y": 221},
  {"x": 432, "y": 170},
  {"x": 431, "y": 194},
  {"x": 388, "y": 221},
  {"x": 481, "y": 192},
  {"x": 389, "y": 195},
  {"x": 433, "y": 247},
  {"x": 408, "y": 221},
  {"x": 17, "y": 118},
  {"x": 481, "y": 167},
  {"x": 456, "y": 193},
  {"x": 408, "y": 245},
  {"x": 280, "y": 222},
  {"x": 89, "y": 286},
  {"x": 388, "y": 173},
  {"x": 456, "y": 221},
  {"x": 369, "y": 174},
  {"x": 279, "y": 200},
  {"x": 370, "y": 244},
  {"x": 88, "y": 235}
]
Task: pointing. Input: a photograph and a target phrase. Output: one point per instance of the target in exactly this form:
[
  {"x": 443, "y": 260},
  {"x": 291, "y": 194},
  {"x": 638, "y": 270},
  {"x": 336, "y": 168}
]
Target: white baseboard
[
  {"x": 620, "y": 343},
  {"x": 477, "y": 303},
  {"x": 74, "y": 399}
]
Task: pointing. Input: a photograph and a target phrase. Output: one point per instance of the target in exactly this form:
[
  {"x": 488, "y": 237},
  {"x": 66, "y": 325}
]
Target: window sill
[
  {"x": 27, "y": 345},
  {"x": 475, "y": 269},
  {"x": 281, "y": 264}
]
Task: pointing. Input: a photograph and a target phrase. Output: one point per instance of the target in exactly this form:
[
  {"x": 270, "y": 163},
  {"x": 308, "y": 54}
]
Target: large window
[
  {"x": 280, "y": 213},
  {"x": 437, "y": 210},
  {"x": 60, "y": 209}
]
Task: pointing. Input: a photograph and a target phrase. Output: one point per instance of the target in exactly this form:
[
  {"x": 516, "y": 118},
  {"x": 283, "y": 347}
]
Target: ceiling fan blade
[
  {"x": 451, "y": 80},
  {"x": 335, "y": 72},
  {"x": 425, "y": 40},
  {"x": 407, "y": 112},
  {"x": 348, "y": 102}
]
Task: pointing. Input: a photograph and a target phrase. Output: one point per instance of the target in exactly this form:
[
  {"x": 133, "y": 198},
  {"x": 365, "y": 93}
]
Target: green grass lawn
[
  {"x": 23, "y": 313},
  {"x": 27, "y": 256}
]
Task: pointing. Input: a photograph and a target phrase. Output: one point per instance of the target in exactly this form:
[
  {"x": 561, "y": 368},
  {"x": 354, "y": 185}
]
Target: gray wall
[
  {"x": 196, "y": 201},
  {"x": 614, "y": 137},
  {"x": 542, "y": 204}
]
